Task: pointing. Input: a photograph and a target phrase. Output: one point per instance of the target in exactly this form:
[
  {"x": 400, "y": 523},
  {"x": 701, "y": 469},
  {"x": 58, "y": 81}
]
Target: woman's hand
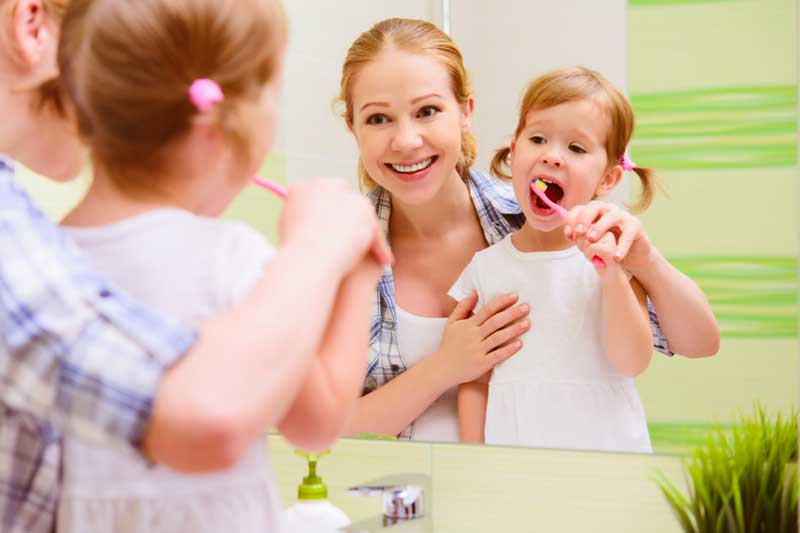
[
  {"x": 473, "y": 344},
  {"x": 592, "y": 221}
]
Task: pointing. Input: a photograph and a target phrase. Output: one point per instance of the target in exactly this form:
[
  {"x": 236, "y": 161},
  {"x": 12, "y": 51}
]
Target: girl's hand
[
  {"x": 336, "y": 224},
  {"x": 595, "y": 219},
  {"x": 604, "y": 249},
  {"x": 473, "y": 344}
]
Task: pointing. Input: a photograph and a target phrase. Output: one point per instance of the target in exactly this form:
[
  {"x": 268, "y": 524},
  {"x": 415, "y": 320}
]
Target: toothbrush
[
  {"x": 538, "y": 187},
  {"x": 274, "y": 188}
]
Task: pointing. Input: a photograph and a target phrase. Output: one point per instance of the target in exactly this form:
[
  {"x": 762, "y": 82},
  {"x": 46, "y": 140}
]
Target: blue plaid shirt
[
  {"x": 499, "y": 214},
  {"x": 75, "y": 356}
]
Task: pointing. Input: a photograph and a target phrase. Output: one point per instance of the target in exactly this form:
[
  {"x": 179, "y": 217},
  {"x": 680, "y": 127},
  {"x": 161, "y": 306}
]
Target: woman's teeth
[{"x": 413, "y": 168}]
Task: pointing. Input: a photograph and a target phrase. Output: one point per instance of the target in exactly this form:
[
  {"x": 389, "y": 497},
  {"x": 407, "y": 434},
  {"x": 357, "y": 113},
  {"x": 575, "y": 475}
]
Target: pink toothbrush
[
  {"x": 538, "y": 187},
  {"x": 274, "y": 188}
]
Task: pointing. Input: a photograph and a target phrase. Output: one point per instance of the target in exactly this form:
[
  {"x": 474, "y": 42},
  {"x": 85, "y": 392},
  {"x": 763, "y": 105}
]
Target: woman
[{"x": 407, "y": 101}]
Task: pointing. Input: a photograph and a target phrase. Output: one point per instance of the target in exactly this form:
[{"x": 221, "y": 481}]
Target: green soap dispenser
[{"x": 313, "y": 512}]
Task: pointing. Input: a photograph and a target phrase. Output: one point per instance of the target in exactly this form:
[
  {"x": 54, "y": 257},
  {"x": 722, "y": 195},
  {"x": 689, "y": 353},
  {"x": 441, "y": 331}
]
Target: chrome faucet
[{"x": 406, "y": 504}]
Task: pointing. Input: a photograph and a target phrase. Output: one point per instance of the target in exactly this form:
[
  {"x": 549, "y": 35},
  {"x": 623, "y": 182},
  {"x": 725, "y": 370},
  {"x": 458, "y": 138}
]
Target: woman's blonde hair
[
  {"x": 580, "y": 83},
  {"x": 127, "y": 66},
  {"x": 417, "y": 37}
]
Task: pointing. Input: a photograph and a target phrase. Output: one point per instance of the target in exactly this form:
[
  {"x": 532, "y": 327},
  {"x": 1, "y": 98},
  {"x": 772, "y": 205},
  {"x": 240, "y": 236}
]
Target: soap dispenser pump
[{"x": 313, "y": 512}]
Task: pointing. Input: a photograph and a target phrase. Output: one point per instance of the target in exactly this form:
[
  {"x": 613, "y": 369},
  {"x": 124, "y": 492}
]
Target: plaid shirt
[
  {"x": 75, "y": 355},
  {"x": 499, "y": 214}
]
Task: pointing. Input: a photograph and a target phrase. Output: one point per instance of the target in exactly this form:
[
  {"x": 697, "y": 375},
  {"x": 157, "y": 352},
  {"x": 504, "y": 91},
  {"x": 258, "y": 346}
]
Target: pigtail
[
  {"x": 500, "y": 162},
  {"x": 647, "y": 177}
]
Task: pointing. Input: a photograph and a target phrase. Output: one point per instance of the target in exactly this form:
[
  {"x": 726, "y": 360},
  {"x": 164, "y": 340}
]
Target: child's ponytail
[
  {"x": 500, "y": 163},
  {"x": 647, "y": 177}
]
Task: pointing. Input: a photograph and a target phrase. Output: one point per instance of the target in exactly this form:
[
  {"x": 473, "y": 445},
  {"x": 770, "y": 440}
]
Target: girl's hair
[
  {"x": 416, "y": 37},
  {"x": 580, "y": 83},
  {"x": 127, "y": 67}
]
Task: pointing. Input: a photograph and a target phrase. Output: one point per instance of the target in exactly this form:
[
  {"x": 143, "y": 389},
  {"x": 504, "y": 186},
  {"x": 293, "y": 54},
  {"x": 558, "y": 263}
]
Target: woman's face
[
  {"x": 35, "y": 135},
  {"x": 408, "y": 124}
]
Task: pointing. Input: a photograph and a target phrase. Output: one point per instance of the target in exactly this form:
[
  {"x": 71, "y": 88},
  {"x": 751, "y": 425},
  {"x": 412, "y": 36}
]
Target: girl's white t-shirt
[
  {"x": 189, "y": 268},
  {"x": 561, "y": 389}
]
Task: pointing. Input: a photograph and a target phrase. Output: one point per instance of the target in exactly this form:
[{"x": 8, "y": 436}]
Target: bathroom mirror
[{"x": 716, "y": 117}]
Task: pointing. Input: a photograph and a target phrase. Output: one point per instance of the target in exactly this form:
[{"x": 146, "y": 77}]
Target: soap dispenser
[{"x": 313, "y": 512}]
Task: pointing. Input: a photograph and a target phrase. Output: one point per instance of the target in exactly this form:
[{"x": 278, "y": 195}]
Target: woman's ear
[
  {"x": 469, "y": 108},
  {"x": 34, "y": 36},
  {"x": 610, "y": 180}
]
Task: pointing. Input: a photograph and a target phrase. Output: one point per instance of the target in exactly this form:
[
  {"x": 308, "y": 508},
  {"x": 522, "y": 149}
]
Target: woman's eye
[
  {"x": 428, "y": 111},
  {"x": 377, "y": 119},
  {"x": 538, "y": 139},
  {"x": 578, "y": 149}
]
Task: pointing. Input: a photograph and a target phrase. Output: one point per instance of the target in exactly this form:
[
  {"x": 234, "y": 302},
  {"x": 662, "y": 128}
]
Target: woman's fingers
[
  {"x": 464, "y": 307},
  {"x": 502, "y": 353},
  {"x": 502, "y": 336},
  {"x": 494, "y": 306},
  {"x": 502, "y": 319}
]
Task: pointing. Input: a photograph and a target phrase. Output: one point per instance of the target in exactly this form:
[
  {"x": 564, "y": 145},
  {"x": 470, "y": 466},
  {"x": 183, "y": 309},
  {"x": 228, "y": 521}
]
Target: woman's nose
[{"x": 406, "y": 137}]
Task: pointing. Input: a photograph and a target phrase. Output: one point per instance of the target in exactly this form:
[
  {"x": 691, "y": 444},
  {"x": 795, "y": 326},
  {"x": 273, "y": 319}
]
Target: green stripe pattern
[
  {"x": 648, "y": 3},
  {"x": 752, "y": 297},
  {"x": 727, "y": 128}
]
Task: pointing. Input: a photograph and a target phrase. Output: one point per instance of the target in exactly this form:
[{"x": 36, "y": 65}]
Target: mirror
[{"x": 716, "y": 117}]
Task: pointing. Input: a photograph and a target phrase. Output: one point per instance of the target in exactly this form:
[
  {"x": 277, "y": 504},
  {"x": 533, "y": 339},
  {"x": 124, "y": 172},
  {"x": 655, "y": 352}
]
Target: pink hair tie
[
  {"x": 204, "y": 93},
  {"x": 626, "y": 163}
]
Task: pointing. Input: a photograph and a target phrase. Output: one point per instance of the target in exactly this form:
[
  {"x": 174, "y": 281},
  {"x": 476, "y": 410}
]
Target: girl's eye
[
  {"x": 428, "y": 111},
  {"x": 578, "y": 149},
  {"x": 378, "y": 119},
  {"x": 538, "y": 139}
]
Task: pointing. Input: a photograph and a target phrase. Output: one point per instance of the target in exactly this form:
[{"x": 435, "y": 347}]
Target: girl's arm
[
  {"x": 471, "y": 346},
  {"x": 248, "y": 364},
  {"x": 472, "y": 399},
  {"x": 330, "y": 390},
  {"x": 626, "y": 321},
  {"x": 684, "y": 314}
]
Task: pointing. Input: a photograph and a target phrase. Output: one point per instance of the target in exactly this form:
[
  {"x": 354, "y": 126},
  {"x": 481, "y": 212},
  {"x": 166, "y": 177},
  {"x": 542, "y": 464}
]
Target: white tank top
[{"x": 417, "y": 338}]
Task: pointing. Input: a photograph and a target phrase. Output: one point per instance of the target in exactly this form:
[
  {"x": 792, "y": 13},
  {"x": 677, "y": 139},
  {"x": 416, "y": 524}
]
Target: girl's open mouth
[{"x": 554, "y": 192}]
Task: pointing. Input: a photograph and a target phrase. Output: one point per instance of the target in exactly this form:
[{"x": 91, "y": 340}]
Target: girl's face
[
  {"x": 563, "y": 145},
  {"x": 408, "y": 124}
]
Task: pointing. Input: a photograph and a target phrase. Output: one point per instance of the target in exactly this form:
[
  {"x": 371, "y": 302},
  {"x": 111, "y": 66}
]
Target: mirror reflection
[{"x": 422, "y": 136}]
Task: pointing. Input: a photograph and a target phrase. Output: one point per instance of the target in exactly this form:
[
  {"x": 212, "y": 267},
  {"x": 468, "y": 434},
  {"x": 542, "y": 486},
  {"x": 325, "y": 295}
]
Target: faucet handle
[{"x": 403, "y": 494}]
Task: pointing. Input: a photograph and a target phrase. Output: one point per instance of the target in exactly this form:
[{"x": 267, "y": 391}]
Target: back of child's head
[
  {"x": 415, "y": 37},
  {"x": 127, "y": 66},
  {"x": 575, "y": 84}
]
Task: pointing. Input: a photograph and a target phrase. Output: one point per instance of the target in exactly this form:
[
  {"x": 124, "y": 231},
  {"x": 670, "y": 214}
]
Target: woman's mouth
[{"x": 412, "y": 170}]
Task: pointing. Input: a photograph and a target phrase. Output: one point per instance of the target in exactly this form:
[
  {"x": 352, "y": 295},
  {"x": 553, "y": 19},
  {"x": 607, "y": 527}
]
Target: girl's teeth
[{"x": 413, "y": 168}]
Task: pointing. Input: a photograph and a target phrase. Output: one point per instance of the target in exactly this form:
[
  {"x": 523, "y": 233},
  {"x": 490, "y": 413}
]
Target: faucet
[{"x": 406, "y": 504}]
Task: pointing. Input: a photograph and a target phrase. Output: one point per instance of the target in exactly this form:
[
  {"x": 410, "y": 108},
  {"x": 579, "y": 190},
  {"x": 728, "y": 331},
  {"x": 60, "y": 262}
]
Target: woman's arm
[
  {"x": 471, "y": 346},
  {"x": 684, "y": 314}
]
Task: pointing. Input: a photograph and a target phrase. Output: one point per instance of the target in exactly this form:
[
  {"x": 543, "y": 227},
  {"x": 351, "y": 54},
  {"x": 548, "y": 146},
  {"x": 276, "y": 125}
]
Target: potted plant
[{"x": 743, "y": 480}]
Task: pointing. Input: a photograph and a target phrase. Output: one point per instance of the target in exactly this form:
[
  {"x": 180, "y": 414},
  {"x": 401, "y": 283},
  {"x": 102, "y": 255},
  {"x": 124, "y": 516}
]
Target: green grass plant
[{"x": 743, "y": 479}]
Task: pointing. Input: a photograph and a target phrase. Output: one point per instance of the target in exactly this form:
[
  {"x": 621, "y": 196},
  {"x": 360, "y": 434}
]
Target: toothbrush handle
[{"x": 270, "y": 186}]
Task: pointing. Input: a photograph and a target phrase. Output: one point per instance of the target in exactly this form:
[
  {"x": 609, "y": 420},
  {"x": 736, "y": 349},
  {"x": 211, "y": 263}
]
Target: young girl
[
  {"x": 176, "y": 100},
  {"x": 571, "y": 385}
]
